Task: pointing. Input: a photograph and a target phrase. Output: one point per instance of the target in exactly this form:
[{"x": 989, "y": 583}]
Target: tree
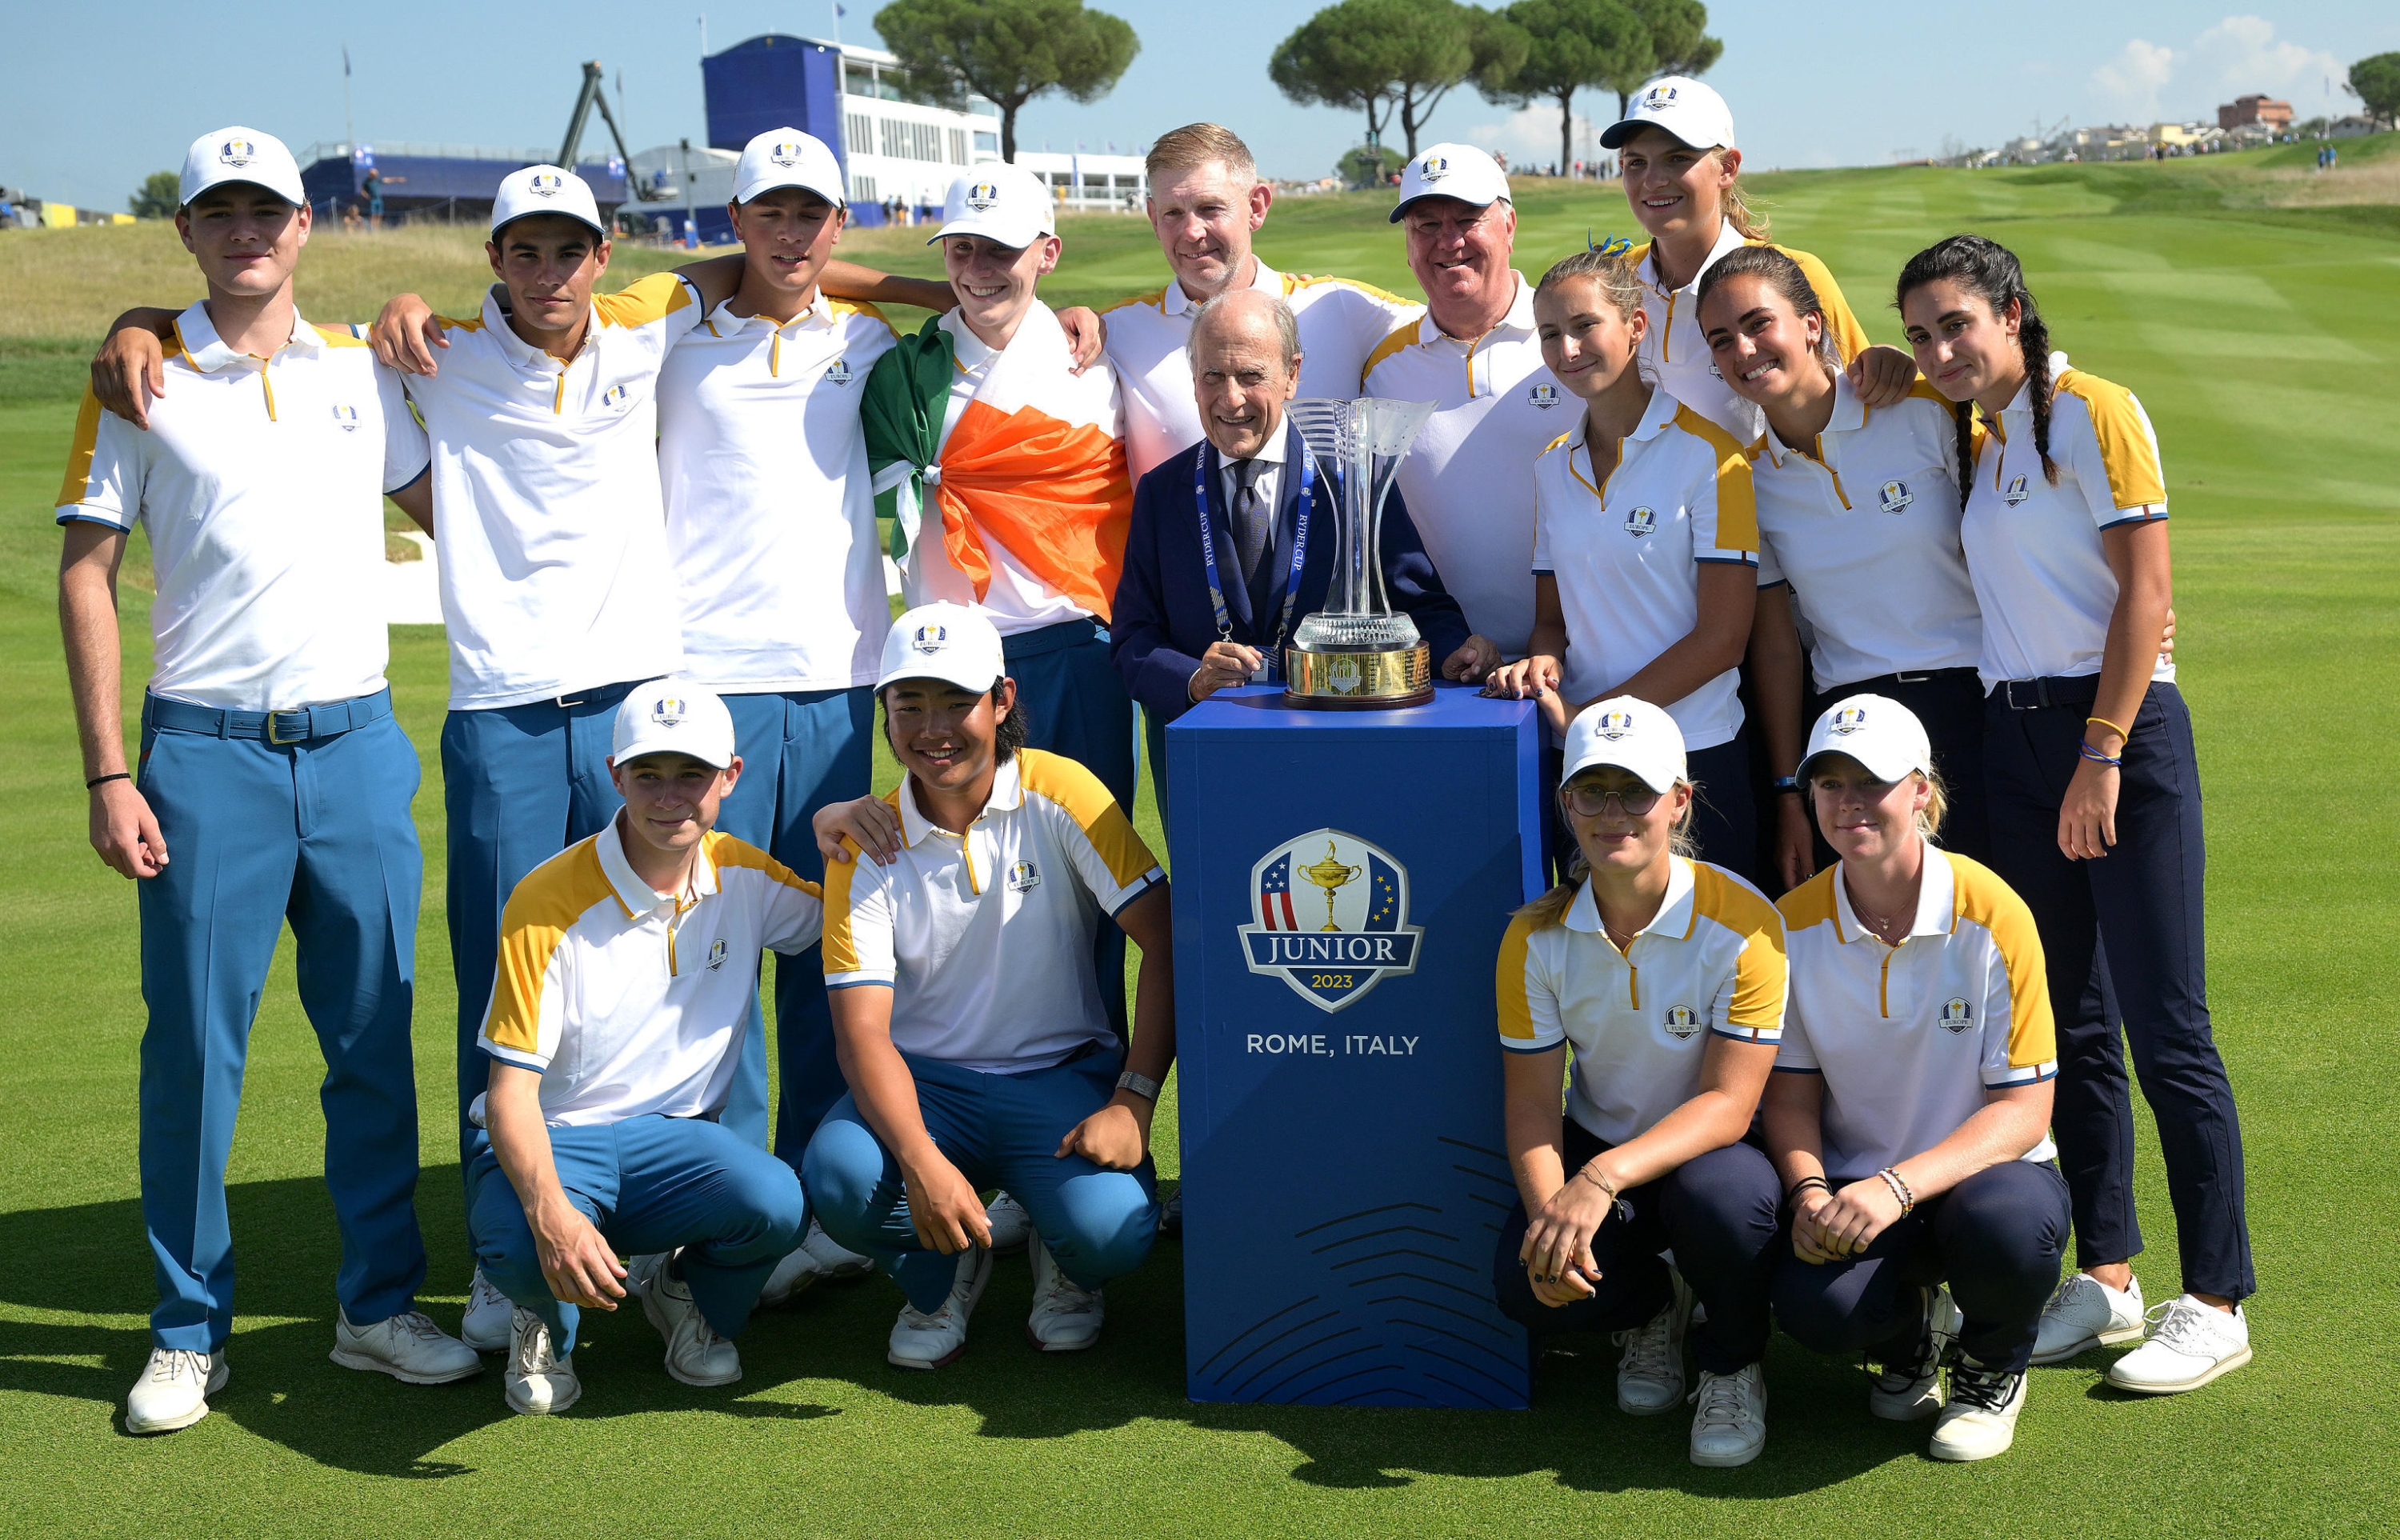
[
  {"x": 2376, "y": 82},
  {"x": 1395, "y": 59},
  {"x": 161, "y": 194},
  {"x": 1006, "y": 51},
  {"x": 1571, "y": 45},
  {"x": 1678, "y": 45}
]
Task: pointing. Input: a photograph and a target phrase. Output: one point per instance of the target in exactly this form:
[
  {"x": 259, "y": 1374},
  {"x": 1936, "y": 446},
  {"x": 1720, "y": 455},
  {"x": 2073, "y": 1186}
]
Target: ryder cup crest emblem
[
  {"x": 236, "y": 153},
  {"x": 669, "y": 711},
  {"x": 2016, "y": 492},
  {"x": 838, "y": 372},
  {"x": 546, "y": 184},
  {"x": 1957, "y": 1016},
  {"x": 1544, "y": 395},
  {"x": 1329, "y": 917},
  {"x": 1896, "y": 497},
  {"x": 1615, "y": 725},
  {"x": 785, "y": 153},
  {"x": 931, "y": 639},
  {"x": 1641, "y": 521},
  {"x": 1434, "y": 168},
  {"x": 716, "y": 954},
  {"x": 613, "y": 397},
  {"x": 982, "y": 195},
  {"x": 1681, "y": 1022},
  {"x": 1024, "y": 877},
  {"x": 346, "y": 418},
  {"x": 1660, "y": 96},
  {"x": 1849, "y": 720}
]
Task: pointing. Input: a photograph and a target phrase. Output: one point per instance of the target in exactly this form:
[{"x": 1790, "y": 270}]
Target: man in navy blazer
[{"x": 1163, "y": 633}]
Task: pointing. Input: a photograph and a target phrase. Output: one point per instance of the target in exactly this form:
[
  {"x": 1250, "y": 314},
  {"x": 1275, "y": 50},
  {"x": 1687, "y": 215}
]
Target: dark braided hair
[
  {"x": 1990, "y": 271},
  {"x": 1787, "y": 279}
]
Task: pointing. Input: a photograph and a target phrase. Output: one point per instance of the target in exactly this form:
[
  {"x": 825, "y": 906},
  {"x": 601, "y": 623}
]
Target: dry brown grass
[{"x": 2378, "y": 182}]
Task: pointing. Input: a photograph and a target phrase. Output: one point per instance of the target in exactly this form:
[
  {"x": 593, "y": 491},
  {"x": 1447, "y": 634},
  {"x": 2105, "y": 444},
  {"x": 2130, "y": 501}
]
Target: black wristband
[
  {"x": 103, "y": 780},
  {"x": 1803, "y": 1184},
  {"x": 1788, "y": 783}
]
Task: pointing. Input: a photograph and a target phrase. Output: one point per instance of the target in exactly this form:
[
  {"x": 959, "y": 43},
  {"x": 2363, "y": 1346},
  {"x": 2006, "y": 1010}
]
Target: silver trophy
[{"x": 1357, "y": 653}]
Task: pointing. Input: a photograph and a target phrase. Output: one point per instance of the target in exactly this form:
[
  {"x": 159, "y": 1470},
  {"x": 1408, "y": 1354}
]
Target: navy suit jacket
[{"x": 1162, "y": 621}]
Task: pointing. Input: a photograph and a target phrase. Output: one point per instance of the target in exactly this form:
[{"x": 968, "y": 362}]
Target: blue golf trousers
[
  {"x": 1716, "y": 1211},
  {"x": 2141, "y": 906},
  {"x": 519, "y": 784},
  {"x": 800, "y": 750},
  {"x": 1000, "y": 1131},
  {"x": 1995, "y": 1238},
  {"x": 316, "y": 832},
  {"x": 647, "y": 1184}
]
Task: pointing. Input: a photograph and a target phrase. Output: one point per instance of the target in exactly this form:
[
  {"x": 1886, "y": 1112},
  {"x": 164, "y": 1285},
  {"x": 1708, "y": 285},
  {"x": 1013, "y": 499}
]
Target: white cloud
[
  {"x": 2235, "y": 56},
  {"x": 2130, "y": 83},
  {"x": 1529, "y": 137}
]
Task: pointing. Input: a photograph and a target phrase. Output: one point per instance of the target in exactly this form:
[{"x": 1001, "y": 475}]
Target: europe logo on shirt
[{"x": 1331, "y": 915}]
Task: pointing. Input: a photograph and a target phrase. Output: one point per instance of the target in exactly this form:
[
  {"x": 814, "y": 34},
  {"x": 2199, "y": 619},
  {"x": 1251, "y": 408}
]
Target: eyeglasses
[{"x": 1586, "y": 799}]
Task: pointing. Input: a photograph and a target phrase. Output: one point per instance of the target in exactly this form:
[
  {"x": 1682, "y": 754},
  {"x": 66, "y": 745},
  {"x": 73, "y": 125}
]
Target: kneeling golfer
[
  {"x": 967, "y": 1014},
  {"x": 628, "y": 965}
]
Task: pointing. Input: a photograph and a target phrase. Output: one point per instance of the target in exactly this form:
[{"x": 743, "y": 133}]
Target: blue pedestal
[{"x": 1344, "y": 1175}]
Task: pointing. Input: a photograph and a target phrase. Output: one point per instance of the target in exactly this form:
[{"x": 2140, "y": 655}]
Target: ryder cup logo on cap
[
  {"x": 674, "y": 717},
  {"x": 545, "y": 190},
  {"x": 786, "y": 158},
  {"x": 1007, "y": 205},
  {"x": 1453, "y": 170},
  {"x": 1630, "y": 735},
  {"x": 240, "y": 155},
  {"x": 944, "y": 642},
  {"x": 1881, "y": 735},
  {"x": 1684, "y": 107}
]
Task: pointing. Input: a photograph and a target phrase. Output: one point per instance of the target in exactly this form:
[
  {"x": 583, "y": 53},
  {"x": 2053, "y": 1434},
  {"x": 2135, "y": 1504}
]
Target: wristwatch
[{"x": 1140, "y": 1085}]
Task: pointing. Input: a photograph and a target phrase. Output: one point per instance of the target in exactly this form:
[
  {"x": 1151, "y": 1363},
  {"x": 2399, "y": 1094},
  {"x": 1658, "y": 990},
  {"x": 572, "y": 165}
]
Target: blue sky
[{"x": 99, "y": 94}]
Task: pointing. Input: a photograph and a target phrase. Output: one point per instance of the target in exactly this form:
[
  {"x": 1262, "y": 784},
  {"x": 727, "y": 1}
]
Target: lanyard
[{"x": 1200, "y": 471}]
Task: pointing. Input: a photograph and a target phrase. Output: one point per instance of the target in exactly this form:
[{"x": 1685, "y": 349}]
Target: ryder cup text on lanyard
[{"x": 1299, "y": 554}]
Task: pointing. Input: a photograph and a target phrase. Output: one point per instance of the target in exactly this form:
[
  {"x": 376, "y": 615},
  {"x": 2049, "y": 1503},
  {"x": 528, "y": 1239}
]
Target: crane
[{"x": 592, "y": 96}]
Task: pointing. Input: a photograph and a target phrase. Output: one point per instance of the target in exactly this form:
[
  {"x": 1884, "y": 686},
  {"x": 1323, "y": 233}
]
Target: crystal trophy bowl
[{"x": 1357, "y": 653}]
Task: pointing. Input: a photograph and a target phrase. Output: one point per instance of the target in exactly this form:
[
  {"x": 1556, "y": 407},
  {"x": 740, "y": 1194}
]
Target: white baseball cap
[
  {"x": 673, "y": 715},
  {"x": 951, "y": 643},
  {"x": 545, "y": 190},
  {"x": 1875, "y": 731},
  {"x": 1630, "y": 734},
  {"x": 786, "y": 158},
  {"x": 998, "y": 203},
  {"x": 241, "y": 155},
  {"x": 1451, "y": 170},
  {"x": 1691, "y": 112}
]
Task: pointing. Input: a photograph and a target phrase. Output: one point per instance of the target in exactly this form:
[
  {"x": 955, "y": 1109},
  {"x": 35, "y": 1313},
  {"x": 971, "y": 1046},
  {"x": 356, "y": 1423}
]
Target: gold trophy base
[{"x": 1358, "y": 681}]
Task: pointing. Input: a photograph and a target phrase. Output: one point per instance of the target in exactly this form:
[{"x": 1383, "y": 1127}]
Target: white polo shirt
[
  {"x": 629, "y": 1002},
  {"x": 1909, "y": 1038},
  {"x": 547, "y": 521},
  {"x": 1625, "y": 543},
  {"x": 1710, "y": 962},
  {"x": 1676, "y": 351},
  {"x": 985, "y": 939},
  {"x": 1149, "y": 336},
  {"x": 2034, "y": 550},
  {"x": 1864, "y": 524},
  {"x": 261, "y": 482},
  {"x": 1464, "y": 478},
  {"x": 770, "y": 505}
]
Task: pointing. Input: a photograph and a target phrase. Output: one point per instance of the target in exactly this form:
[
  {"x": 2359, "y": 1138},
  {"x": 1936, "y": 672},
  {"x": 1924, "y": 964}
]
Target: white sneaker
[
  {"x": 174, "y": 1389},
  {"x": 919, "y": 1341},
  {"x": 489, "y": 1316},
  {"x": 1910, "y": 1390},
  {"x": 1012, "y": 1227},
  {"x": 1730, "y": 1427},
  {"x": 818, "y": 1258},
  {"x": 695, "y": 1355},
  {"x": 1067, "y": 1316},
  {"x": 2190, "y": 1344},
  {"x": 409, "y": 1347},
  {"x": 2085, "y": 1314},
  {"x": 1980, "y": 1418},
  {"x": 836, "y": 1260},
  {"x": 1650, "y": 1376},
  {"x": 537, "y": 1382}
]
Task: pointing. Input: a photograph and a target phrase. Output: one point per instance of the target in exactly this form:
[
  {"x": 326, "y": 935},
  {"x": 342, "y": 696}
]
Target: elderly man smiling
[{"x": 1188, "y": 626}]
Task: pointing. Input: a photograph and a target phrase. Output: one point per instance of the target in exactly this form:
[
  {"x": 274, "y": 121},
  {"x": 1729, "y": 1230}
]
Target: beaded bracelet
[
  {"x": 2097, "y": 757},
  {"x": 1899, "y": 1189}
]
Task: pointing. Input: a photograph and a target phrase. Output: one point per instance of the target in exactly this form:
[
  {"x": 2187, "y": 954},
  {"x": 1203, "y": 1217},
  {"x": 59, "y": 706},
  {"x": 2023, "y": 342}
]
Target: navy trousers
[
  {"x": 1717, "y": 1212},
  {"x": 2144, "y": 902},
  {"x": 800, "y": 751},
  {"x": 318, "y": 833},
  {"x": 1995, "y": 1238}
]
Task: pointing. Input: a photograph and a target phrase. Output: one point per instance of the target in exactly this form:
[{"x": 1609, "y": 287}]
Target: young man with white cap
[
  {"x": 771, "y": 522},
  {"x": 969, "y": 1011},
  {"x": 1468, "y": 478},
  {"x": 629, "y": 964},
  {"x": 1207, "y": 203},
  {"x": 274, "y": 783}
]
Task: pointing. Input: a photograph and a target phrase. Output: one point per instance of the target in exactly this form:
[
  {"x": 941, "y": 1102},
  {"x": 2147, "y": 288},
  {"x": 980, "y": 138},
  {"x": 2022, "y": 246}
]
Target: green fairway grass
[{"x": 2264, "y": 340}]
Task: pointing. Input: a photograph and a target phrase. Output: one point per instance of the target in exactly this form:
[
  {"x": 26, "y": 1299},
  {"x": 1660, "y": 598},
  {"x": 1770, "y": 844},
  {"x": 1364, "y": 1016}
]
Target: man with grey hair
[{"x": 1221, "y": 562}]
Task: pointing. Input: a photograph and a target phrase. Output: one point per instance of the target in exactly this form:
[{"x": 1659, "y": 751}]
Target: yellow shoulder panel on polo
[
  {"x": 1737, "y": 499},
  {"x": 552, "y": 898},
  {"x": 840, "y": 947},
  {"x": 1399, "y": 337},
  {"x": 640, "y": 303},
  {"x": 1759, "y": 977},
  {"x": 1983, "y": 899},
  {"x": 2135, "y": 477},
  {"x": 80, "y": 450},
  {"x": 1508, "y": 981},
  {"x": 1153, "y": 296},
  {"x": 1072, "y": 786},
  {"x": 1810, "y": 904},
  {"x": 1849, "y": 336}
]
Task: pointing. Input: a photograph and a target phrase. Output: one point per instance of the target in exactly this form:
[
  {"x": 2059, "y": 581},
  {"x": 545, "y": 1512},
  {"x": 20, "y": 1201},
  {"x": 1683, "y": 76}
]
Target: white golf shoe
[
  {"x": 174, "y": 1389},
  {"x": 1729, "y": 1428},
  {"x": 2085, "y": 1314},
  {"x": 818, "y": 1258},
  {"x": 2190, "y": 1344},
  {"x": 1650, "y": 1375},
  {"x": 1067, "y": 1316},
  {"x": 1910, "y": 1390},
  {"x": 489, "y": 1316},
  {"x": 538, "y": 1380},
  {"x": 919, "y": 1341},
  {"x": 695, "y": 1355},
  {"x": 1011, "y": 1225},
  {"x": 409, "y": 1347},
  {"x": 1981, "y": 1417}
]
